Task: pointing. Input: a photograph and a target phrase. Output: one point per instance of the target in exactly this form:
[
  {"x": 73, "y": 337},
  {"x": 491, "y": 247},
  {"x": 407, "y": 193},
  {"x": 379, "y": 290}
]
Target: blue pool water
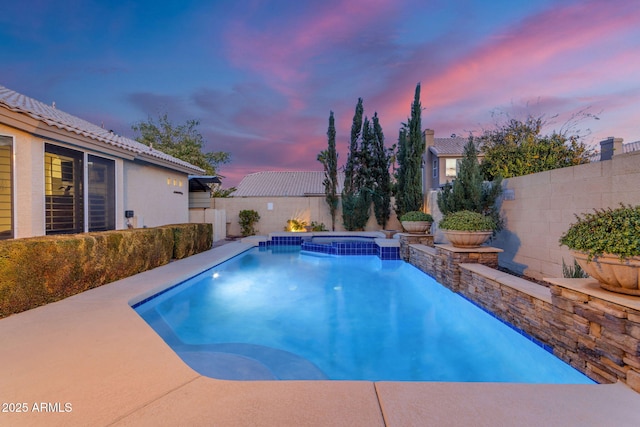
[{"x": 284, "y": 314}]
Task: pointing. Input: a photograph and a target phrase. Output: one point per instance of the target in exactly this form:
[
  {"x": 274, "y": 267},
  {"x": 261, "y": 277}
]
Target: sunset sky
[{"x": 262, "y": 76}]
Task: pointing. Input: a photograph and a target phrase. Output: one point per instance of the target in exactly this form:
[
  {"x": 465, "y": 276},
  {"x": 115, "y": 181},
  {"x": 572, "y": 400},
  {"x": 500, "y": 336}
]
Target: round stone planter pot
[
  {"x": 614, "y": 275},
  {"x": 466, "y": 239},
  {"x": 416, "y": 227}
]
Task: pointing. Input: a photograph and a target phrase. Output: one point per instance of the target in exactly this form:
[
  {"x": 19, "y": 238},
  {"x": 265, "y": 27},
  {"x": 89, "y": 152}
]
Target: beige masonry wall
[
  {"x": 544, "y": 205},
  {"x": 157, "y": 196},
  {"x": 275, "y": 211}
]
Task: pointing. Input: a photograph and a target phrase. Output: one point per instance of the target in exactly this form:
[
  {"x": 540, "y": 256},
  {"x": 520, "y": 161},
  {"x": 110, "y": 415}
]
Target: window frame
[
  {"x": 78, "y": 201},
  {"x": 12, "y": 190}
]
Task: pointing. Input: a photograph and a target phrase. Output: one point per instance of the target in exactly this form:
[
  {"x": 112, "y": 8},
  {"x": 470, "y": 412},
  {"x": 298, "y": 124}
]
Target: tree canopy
[
  {"x": 184, "y": 142},
  {"x": 518, "y": 147}
]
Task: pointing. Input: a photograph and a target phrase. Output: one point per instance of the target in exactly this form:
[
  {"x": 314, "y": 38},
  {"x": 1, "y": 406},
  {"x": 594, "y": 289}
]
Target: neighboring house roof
[
  {"x": 51, "y": 116},
  {"x": 284, "y": 184},
  {"x": 449, "y": 146}
]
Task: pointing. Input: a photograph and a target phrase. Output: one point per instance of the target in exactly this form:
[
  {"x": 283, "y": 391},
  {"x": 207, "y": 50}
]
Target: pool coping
[{"x": 94, "y": 352}]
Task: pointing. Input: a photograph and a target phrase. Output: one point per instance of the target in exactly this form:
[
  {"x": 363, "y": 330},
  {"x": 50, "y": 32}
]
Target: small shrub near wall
[{"x": 40, "y": 270}]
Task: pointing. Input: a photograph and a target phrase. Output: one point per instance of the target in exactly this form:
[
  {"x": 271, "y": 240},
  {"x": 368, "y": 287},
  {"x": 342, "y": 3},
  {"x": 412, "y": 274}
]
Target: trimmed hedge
[
  {"x": 40, "y": 270},
  {"x": 190, "y": 239}
]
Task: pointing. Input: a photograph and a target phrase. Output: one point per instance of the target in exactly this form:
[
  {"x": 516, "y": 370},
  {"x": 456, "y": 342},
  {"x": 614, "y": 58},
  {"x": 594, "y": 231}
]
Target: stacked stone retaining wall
[{"x": 595, "y": 331}]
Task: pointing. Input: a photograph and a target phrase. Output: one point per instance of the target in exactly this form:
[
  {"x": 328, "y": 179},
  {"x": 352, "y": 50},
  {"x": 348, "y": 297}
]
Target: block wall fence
[{"x": 540, "y": 207}]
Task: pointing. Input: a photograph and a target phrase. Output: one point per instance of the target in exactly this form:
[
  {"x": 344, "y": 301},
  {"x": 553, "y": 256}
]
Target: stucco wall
[
  {"x": 155, "y": 195},
  {"x": 544, "y": 205},
  {"x": 216, "y": 217},
  {"x": 285, "y": 208}
]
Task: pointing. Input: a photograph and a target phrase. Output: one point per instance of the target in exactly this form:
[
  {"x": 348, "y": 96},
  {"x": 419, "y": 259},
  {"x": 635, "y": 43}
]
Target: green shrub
[
  {"x": 606, "y": 231},
  {"x": 318, "y": 226},
  {"x": 40, "y": 270},
  {"x": 248, "y": 219},
  {"x": 416, "y": 216},
  {"x": 573, "y": 272},
  {"x": 190, "y": 239},
  {"x": 467, "y": 221}
]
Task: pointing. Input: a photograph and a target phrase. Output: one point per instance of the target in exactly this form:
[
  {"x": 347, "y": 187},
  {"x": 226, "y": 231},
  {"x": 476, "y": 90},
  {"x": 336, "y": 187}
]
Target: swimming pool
[{"x": 284, "y": 314}]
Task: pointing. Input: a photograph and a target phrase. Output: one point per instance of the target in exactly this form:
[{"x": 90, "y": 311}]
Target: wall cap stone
[
  {"x": 423, "y": 248},
  {"x": 532, "y": 289},
  {"x": 592, "y": 288},
  {"x": 482, "y": 249}
]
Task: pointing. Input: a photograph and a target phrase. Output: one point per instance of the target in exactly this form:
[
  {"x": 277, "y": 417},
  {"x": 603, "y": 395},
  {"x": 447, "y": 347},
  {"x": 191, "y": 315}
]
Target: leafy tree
[
  {"x": 469, "y": 192},
  {"x": 218, "y": 191},
  {"x": 518, "y": 148},
  {"x": 329, "y": 160},
  {"x": 184, "y": 142},
  {"x": 410, "y": 150},
  {"x": 380, "y": 175}
]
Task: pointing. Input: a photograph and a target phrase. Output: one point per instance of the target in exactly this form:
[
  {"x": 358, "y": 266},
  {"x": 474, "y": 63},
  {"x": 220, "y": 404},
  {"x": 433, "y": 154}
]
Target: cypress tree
[
  {"x": 381, "y": 176},
  {"x": 329, "y": 160},
  {"x": 410, "y": 150},
  {"x": 413, "y": 191},
  {"x": 349, "y": 194},
  {"x": 401, "y": 171}
]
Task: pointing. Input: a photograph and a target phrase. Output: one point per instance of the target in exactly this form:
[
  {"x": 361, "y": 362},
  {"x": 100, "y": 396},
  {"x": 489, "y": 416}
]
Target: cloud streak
[{"x": 261, "y": 77}]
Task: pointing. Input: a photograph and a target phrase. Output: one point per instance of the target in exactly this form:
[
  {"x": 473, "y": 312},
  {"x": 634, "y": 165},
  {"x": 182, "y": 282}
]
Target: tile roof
[
  {"x": 449, "y": 146},
  {"x": 50, "y": 115},
  {"x": 284, "y": 184}
]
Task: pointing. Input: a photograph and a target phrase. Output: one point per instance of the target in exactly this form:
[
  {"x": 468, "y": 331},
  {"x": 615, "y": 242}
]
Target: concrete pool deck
[{"x": 91, "y": 360}]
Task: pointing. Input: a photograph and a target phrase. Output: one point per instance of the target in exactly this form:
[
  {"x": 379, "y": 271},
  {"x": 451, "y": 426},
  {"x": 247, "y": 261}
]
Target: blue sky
[{"x": 262, "y": 76}]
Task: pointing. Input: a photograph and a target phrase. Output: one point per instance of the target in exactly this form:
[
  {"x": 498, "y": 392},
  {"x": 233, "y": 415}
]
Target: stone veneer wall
[
  {"x": 597, "y": 329},
  {"x": 442, "y": 261},
  {"x": 595, "y": 332},
  {"x": 407, "y": 239}
]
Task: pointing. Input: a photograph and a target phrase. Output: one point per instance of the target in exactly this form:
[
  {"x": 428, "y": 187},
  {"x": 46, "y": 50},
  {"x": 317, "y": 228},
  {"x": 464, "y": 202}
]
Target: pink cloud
[{"x": 551, "y": 54}]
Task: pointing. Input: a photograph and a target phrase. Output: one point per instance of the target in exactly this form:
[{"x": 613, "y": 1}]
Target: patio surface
[{"x": 95, "y": 354}]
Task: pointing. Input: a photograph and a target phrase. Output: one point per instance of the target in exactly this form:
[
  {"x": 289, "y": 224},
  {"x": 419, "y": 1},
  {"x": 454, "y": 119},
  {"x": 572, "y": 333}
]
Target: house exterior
[
  {"x": 61, "y": 174},
  {"x": 442, "y": 159}
]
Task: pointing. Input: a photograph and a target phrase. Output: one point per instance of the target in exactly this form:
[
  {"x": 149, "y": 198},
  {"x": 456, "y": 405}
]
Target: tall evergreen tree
[
  {"x": 329, "y": 160},
  {"x": 349, "y": 192},
  {"x": 381, "y": 176},
  {"x": 364, "y": 179},
  {"x": 413, "y": 191},
  {"x": 411, "y": 147},
  {"x": 400, "y": 173}
]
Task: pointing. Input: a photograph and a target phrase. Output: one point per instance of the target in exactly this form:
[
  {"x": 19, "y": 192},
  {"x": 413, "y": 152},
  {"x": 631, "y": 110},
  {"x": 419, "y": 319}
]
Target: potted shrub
[
  {"x": 606, "y": 244},
  {"x": 416, "y": 222},
  {"x": 467, "y": 229}
]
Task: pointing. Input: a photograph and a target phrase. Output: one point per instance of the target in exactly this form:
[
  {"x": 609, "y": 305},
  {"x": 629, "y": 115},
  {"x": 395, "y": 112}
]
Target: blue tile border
[{"x": 335, "y": 248}]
